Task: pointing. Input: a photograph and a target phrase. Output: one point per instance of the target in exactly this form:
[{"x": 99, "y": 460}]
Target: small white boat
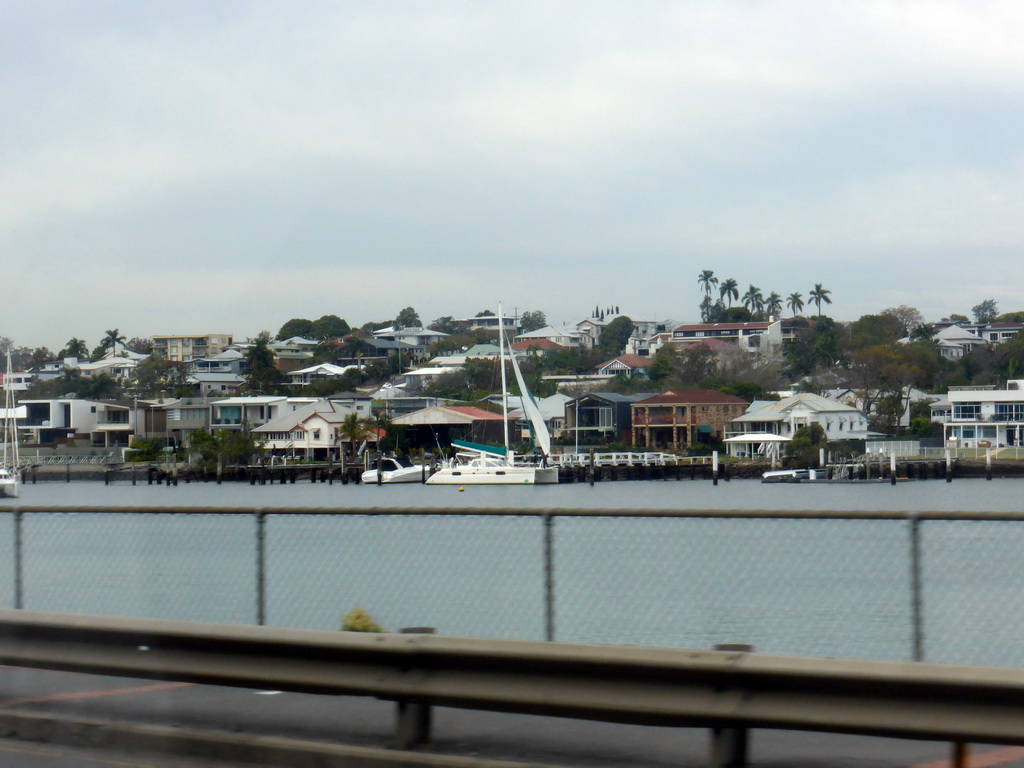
[
  {"x": 393, "y": 471},
  {"x": 791, "y": 476}
]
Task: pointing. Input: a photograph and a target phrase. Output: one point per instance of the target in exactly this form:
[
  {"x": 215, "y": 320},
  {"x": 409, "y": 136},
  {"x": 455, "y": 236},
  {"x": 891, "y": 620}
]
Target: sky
[{"x": 189, "y": 166}]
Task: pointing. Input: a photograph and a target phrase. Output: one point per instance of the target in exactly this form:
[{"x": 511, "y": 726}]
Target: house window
[
  {"x": 966, "y": 410},
  {"x": 1009, "y": 411},
  {"x": 316, "y": 434}
]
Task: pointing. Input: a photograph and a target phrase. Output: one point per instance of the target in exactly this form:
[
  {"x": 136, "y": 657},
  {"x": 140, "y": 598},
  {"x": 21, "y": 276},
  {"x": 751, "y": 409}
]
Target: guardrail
[{"x": 727, "y": 691}]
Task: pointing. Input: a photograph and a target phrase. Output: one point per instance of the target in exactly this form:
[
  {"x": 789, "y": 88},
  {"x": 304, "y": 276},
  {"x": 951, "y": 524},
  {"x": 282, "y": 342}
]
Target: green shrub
[{"x": 358, "y": 620}]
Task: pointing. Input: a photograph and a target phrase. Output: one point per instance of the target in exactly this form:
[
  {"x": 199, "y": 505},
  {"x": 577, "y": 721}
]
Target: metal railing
[
  {"x": 727, "y": 691},
  {"x": 882, "y": 585}
]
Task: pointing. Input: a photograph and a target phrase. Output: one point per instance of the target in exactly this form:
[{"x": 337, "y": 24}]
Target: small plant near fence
[{"x": 359, "y": 620}]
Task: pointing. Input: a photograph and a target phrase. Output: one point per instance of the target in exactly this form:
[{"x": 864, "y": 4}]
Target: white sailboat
[
  {"x": 476, "y": 464},
  {"x": 10, "y": 464}
]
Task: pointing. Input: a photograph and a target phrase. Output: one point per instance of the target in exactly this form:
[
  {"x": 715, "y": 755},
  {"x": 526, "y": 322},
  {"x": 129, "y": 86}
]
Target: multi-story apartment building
[{"x": 182, "y": 349}]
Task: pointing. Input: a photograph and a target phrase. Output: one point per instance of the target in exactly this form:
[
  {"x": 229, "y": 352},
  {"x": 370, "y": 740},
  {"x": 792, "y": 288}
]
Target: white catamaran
[
  {"x": 10, "y": 465},
  {"x": 476, "y": 464}
]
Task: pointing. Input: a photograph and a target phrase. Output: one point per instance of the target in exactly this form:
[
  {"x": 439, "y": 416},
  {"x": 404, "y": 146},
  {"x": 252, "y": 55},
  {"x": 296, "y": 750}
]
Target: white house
[
  {"x": 314, "y": 430},
  {"x": 982, "y": 417},
  {"x": 564, "y": 337},
  {"x": 781, "y": 419}
]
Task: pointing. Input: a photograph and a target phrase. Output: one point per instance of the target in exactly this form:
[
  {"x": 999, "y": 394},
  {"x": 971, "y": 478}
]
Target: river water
[{"x": 808, "y": 587}]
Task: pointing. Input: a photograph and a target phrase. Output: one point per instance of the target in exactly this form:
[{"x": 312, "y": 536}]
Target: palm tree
[
  {"x": 708, "y": 281},
  {"x": 75, "y": 348},
  {"x": 773, "y": 304},
  {"x": 753, "y": 300},
  {"x": 111, "y": 340},
  {"x": 795, "y": 302},
  {"x": 729, "y": 290},
  {"x": 819, "y": 295},
  {"x": 352, "y": 430}
]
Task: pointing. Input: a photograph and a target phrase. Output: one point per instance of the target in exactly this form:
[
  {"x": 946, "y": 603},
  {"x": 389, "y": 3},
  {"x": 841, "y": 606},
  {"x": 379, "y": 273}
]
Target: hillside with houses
[{"x": 738, "y": 380}]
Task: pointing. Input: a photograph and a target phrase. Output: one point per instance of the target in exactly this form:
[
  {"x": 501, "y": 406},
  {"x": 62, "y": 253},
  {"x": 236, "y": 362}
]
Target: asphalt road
[{"x": 369, "y": 723}]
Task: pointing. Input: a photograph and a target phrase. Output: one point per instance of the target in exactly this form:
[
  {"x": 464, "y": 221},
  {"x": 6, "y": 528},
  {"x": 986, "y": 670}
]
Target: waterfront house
[
  {"x": 431, "y": 428},
  {"x": 986, "y": 417},
  {"x": 103, "y": 423},
  {"x": 681, "y": 419},
  {"x": 314, "y": 430},
  {"x": 782, "y": 418},
  {"x": 601, "y": 417}
]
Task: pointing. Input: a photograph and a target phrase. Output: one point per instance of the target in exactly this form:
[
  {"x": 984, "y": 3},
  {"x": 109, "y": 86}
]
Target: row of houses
[{"x": 674, "y": 420}]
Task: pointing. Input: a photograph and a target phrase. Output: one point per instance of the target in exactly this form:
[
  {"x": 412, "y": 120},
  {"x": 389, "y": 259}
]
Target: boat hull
[
  {"x": 390, "y": 477},
  {"x": 463, "y": 475}
]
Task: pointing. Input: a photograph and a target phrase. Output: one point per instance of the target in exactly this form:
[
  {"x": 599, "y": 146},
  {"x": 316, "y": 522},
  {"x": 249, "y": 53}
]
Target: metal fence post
[
  {"x": 730, "y": 747},
  {"x": 916, "y": 587},
  {"x": 414, "y": 719},
  {"x": 261, "y": 568},
  {"x": 19, "y": 601},
  {"x": 549, "y": 576}
]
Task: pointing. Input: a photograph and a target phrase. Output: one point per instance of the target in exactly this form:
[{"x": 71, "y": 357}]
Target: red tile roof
[{"x": 688, "y": 396}]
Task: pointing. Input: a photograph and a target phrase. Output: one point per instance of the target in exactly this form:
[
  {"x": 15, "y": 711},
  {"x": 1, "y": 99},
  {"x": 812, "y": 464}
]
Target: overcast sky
[{"x": 197, "y": 166}]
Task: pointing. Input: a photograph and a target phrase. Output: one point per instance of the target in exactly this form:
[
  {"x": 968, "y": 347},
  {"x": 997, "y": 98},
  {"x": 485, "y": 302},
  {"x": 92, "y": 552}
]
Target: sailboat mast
[{"x": 504, "y": 385}]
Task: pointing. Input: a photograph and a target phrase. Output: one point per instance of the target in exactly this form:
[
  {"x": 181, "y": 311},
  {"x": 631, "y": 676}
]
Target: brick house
[{"x": 680, "y": 419}]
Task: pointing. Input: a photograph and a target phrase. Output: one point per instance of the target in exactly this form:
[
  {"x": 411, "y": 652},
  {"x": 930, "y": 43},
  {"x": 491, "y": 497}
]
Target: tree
[
  {"x": 262, "y": 375},
  {"x": 773, "y": 305},
  {"x": 485, "y": 313},
  {"x": 328, "y": 327},
  {"x": 99, "y": 386},
  {"x": 729, "y": 290},
  {"x": 75, "y": 348},
  {"x": 407, "y": 318},
  {"x": 109, "y": 342},
  {"x": 532, "y": 321},
  {"x": 297, "y": 326},
  {"x": 908, "y": 317},
  {"x": 225, "y": 447},
  {"x": 819, "y": 295},
  {"x": 753, "y": 300},
  {"x": 985, "y": 312},
  {"x": 353, "y": 431},
  {"x": 708, "y": 282},
  {"x": 613, "y": 338},
  {"x": 804, "y": 448},
  {"x": 875, "y": 330},
  {"x": 795, "y": 302},
  {"x": 444, "y": 324}
]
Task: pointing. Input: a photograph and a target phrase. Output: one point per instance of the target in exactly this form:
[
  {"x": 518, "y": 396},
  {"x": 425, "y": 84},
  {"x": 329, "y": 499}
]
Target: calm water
[{"x": 807, "y": 587}]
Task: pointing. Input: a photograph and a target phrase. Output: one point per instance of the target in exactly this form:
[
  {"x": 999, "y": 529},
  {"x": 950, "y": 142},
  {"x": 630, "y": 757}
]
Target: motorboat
[
  {"x": 792, "y": 476},
  {"x": 391, "y": 470}
]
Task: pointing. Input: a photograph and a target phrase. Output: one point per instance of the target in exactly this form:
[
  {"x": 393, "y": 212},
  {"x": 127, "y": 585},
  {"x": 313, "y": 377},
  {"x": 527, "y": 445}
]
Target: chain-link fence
[{"x": 944, "y": 587}]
